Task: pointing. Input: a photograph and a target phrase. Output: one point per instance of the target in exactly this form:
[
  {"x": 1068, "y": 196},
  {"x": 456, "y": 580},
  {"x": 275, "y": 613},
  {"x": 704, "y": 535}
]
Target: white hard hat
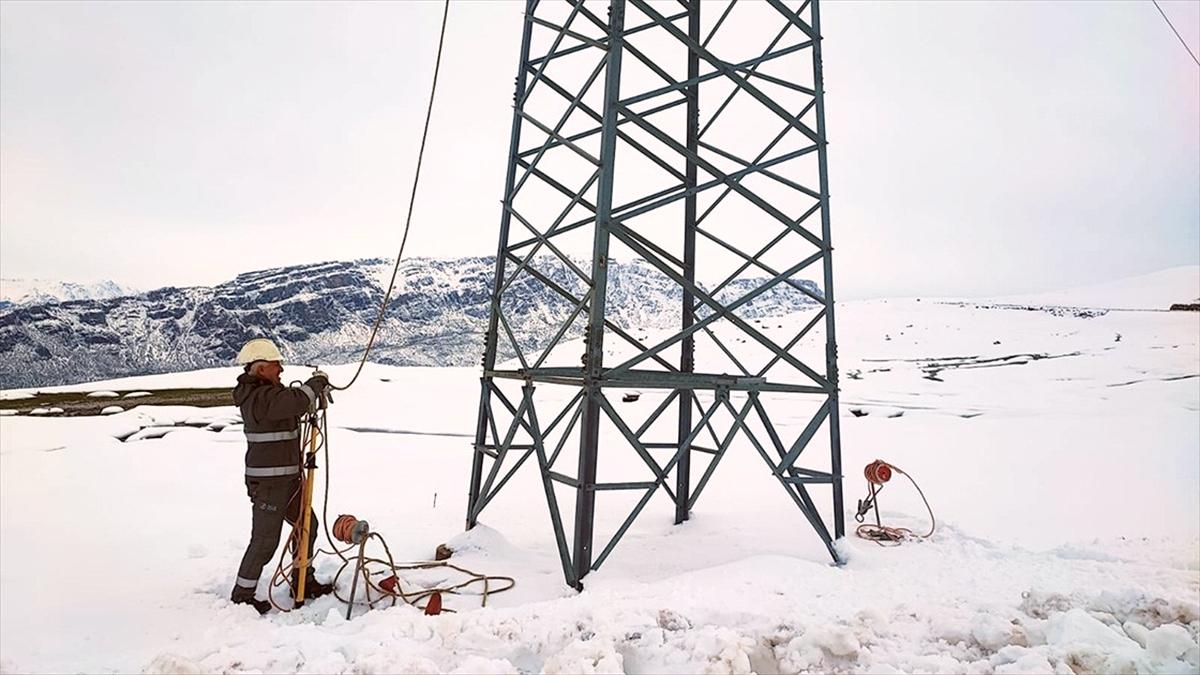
[{"x": 259, "y": 349}]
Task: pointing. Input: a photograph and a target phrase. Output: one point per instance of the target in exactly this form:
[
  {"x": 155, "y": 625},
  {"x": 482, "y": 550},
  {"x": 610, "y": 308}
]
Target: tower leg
[{"x": 683, "y": 471}]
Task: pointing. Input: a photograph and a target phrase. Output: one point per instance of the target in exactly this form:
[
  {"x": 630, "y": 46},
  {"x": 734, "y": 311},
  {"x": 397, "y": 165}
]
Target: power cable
[
  {"x": 389, "y": 588},
  {"x": 1181, "y": 40},
  {"x": 411, "y": 201}
]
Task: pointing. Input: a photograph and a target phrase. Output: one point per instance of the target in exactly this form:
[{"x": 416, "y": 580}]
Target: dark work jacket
[{"x": 271, "y": 421}]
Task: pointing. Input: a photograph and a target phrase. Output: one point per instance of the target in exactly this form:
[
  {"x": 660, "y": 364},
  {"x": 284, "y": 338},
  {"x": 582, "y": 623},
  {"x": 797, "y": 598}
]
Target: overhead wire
[
  {"x": 383, "y": 306},
  {"x": 387, "y": 296},
  {"x": 394, "y": 589},
  {"x": 1181, "y": 40},
  {"x": 881, "y": 534}
]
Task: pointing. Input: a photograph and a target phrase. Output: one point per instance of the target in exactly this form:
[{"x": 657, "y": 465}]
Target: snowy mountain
[
  {"x": 322, "y": 313},
  {"x": 42, "y": 291}
]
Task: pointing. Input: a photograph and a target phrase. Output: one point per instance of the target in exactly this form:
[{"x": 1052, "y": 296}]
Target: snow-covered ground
[{"x": 1060, "y": 451}]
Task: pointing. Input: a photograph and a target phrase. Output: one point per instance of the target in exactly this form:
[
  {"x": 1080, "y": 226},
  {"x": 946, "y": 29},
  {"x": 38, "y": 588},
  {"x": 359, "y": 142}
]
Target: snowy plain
[{"x": 1060, "y": 451}]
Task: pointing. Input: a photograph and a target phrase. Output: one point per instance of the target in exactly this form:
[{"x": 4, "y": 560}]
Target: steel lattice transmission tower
[{"x": 686, "y": 140}]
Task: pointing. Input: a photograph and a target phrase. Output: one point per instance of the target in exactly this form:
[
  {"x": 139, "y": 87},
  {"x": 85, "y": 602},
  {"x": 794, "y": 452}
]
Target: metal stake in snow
[{"x": 350, "y": 530}]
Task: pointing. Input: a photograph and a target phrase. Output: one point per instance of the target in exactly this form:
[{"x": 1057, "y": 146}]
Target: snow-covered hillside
[
  {"x": 1059, "y": 450},
  {"x": 42, "y": 291}
]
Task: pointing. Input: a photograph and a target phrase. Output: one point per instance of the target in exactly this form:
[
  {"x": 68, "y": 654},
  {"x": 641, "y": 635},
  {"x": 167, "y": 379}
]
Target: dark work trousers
[{"x": 274, "y": 500}]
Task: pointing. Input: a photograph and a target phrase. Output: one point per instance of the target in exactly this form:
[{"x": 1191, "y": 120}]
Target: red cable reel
[{"x": 877, "y": 473}]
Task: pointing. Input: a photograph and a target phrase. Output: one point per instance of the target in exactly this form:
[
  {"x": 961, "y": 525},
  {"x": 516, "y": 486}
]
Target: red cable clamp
[{"x": 389, "y": 584}]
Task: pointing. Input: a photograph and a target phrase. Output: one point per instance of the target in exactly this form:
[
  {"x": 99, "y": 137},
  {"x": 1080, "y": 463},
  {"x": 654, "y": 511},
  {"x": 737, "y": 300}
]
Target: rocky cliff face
[{"x": 322, "y": 313}]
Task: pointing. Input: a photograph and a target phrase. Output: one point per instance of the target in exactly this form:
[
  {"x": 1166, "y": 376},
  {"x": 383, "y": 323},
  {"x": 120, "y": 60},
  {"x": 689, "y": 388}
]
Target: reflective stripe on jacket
[{"x": 271, "y": 421}]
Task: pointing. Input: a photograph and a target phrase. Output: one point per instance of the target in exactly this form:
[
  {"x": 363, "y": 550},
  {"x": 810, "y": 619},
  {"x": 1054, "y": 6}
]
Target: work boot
[
  {"x": 312, "y": 587},
  {"x": 261, "y": 605}
]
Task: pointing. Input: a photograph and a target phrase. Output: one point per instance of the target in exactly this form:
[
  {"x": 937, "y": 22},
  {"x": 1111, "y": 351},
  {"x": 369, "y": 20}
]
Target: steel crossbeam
[{"x": 608, "y": 155}]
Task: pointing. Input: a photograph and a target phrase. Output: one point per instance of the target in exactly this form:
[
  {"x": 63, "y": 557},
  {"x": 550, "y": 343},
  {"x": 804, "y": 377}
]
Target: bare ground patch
[{"x": 79, "y": 403}]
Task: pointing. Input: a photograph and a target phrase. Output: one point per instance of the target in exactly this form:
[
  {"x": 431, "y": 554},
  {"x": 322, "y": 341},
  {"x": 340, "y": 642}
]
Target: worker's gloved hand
[{"x": 319, "y": 383}]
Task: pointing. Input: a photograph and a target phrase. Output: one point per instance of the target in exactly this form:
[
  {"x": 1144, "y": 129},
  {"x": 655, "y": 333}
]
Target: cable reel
[
  {"x": 349, "y": 531},
  {"x": 878, "y": 473}
]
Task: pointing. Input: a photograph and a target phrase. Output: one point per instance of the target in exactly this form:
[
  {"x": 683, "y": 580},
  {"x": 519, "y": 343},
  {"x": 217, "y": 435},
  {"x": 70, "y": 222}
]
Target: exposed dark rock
[{"x": 322, "y": 313}]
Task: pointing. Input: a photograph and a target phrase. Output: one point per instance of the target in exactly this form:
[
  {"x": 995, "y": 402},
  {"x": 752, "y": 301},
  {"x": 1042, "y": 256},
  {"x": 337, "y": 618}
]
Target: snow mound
[
  {"x": 103, "y": 394},
  {"x": 112, "y": 410}
]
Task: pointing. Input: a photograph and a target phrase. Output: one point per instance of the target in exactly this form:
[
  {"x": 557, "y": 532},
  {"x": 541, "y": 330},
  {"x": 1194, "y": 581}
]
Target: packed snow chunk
[
  {"x": 103, "y": 394},
  {"x": 170, "y": 664},
  {"x": 112, "y": 410},
  {"x": 207, "y": 418},
  {"x": 586, "y": 657},
  {"x": 1077, "y": 552},
  {"x": 837, "y": 640},
  {"x": 990, "y": 631},
  {"x": 1168, "y": 642},
  {"x": 1137, "y": 631},
  {"x": 722, "y": 650},
  {"x": 669, "y": 619},
  {"x": 1077, "y": 627},
  {"x": 46, "y": 411},
  {"x": 1090, "y": 645},
  {"x": 15, "y": 395},
  {"x": 393, "y": 661},
  {"x": 844, "y": 550},
  {"x": 154, "y": 433},
  {"x": 950, "y": 628},
  {"x": 164, "y": 415},
  {"x": 479, "y": 665},
  {"x": 1041, "y": 605},
  {"x": 1029, "y": 663},
  {"x": 4, "y": 413},
  {"x": 483, "y": 540},
  {"x": 820, "y": 648},
  {"x": 137, "y": 394}
]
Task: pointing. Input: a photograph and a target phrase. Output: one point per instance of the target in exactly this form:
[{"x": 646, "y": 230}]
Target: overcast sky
[{"x": 975, "y": 148}]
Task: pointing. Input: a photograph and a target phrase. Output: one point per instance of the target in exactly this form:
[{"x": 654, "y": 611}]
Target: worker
[{"x": 274, "y": 476}]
